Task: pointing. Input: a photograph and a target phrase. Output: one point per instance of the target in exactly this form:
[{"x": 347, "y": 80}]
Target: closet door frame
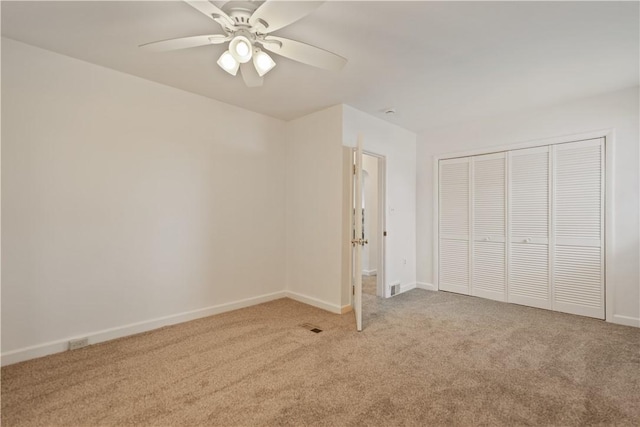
[{"x": 609, "y": 150}]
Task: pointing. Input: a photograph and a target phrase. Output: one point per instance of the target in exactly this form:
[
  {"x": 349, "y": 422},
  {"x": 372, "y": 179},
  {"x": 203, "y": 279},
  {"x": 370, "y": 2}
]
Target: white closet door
[
  {"x": 578, "y": 273},
  {"x": 488, "y": 231},
  {"x": 454, "y": 225},
  {"x": 528, "y": 242}
]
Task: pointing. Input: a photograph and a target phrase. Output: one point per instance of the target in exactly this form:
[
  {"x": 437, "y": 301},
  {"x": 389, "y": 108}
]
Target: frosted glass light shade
[
  {"x": 263, "y": 62},
  {"x": 241, "y": 49},
  {"x": 228, "y": 63}
]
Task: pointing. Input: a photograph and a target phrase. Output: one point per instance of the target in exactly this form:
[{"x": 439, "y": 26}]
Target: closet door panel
[
  {"x": 454, "y": 266},
  {"x": 530, "y": 194},
  {"x": 578, "y": 285},
  {"x": 578, "y": 178},
  {"x": 489, "y": 279},
  {"x": 529, "y": 275},
  {"x": 578, "y": 281},
  {"x": 454, "y": 199},
  {"x": 489, "y": 196},
  {"x": 528, "y": 280},
  {"x": 489, "y": 221},
  {"x": 454, "y": 225}
]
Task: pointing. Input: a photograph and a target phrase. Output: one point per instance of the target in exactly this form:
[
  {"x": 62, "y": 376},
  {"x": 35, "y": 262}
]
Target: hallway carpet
[
  {"x": 424, "y": 358},
  {"x": 369, "y": 284}
]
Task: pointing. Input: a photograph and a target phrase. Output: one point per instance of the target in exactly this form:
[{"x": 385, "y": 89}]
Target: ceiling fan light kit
[
  {"x": 247, "y": 27},
  {"x": 263, "y": 62},
  {"x": 228, "y": 63},
  {"x": 241, "y": 49}
]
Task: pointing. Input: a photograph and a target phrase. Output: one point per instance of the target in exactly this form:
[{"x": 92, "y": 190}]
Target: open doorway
[
  {"x": 373, "y": 194},
  {"x": 367, "y": 215}
]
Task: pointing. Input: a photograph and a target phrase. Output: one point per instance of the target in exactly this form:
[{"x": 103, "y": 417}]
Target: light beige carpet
[
  {"x": 369, "y": 285},
  {"x": 425, "y": 358}
]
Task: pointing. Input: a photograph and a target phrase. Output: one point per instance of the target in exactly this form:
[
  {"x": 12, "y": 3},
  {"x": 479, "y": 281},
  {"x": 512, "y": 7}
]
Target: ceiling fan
[{"x": 247, "y": 26}]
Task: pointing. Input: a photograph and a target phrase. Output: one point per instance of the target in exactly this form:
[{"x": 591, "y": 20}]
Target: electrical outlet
[
  {"x": 404, "y": 261},
  {"x": 79, "y": 343}
]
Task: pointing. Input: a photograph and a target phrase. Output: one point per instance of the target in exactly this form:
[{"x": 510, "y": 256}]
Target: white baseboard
[
  {"x": 369, "y": 272},
  {"x": 625, "y": 320},
  {"x": 417, "y": 285},
  {"x": 407, "y": 287},
  {"x": 403, "y": 287},
  {"x": 426, "y": 286},
  {"x": 333, "y": 308},
  {"x": 96, "y": 337}
]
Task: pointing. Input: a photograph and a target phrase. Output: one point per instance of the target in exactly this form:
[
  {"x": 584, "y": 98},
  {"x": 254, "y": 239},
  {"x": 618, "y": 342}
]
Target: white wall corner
[
  {"x": 426, "y": 286},
  {"x": 315, "y": 302},
  {"x": 407, "y": 287},
  {"x": 346, "y": 309},
  {"x": 58, "y": 346}
]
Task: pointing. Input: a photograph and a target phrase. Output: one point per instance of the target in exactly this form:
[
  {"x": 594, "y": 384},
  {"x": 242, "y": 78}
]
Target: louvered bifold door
[
  {"x": 453, "y": 223},
  {"x": 488, "y": 272},
  {"x": 578, "y": 258},
  {"x": 528, "y": 251}
]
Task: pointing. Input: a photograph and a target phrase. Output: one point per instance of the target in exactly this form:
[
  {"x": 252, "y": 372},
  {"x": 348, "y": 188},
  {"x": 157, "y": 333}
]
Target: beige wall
[
  {"x": 124, "y": 200},
  {"x": 314, "y": 208}
]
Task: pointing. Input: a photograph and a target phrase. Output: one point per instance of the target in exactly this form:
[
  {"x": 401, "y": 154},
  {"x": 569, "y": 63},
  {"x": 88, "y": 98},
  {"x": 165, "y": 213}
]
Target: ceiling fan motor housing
[{"x": 240, "y": 13}]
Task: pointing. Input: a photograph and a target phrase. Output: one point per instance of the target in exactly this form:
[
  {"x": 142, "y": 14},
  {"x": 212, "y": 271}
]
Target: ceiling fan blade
[
  {"x": 278, "y": 14},
  {"x": 250, "y": 75},
  {"x": 304, "y": 53},
  {"x": 212, "y": 12},
  {"x": 185, "y": 42}
]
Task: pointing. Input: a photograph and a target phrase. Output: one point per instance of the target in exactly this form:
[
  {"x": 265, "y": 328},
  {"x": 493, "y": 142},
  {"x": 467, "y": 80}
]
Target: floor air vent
[
  {"x": 395, "y": 289},
  {"x": 311, "y": 327}
]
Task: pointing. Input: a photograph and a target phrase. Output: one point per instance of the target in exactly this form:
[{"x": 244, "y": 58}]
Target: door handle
[
  {"x": 487, "y": 239},
  {"x": 360, "y": 242},
  {"x": 527, "y": 240}
]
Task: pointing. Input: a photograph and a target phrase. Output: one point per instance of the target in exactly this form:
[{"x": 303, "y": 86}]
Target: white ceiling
[{"x": 438, "y": 63}]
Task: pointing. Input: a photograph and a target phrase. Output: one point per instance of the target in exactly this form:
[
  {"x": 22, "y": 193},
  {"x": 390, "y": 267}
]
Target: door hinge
[
  {"x": 384, "y": 234},
  {"x": 354, "y": 169},
  {"x": 353, "y": 290}
]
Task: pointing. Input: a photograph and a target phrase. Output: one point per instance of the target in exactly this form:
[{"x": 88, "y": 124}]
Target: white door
[
  {"x": 528, "y": 237},
  {"x": 578, "y": 259},
  {"x": 488, "y": 272},
  {"x": 454, "y": 247},
  {"x": 357, "y": 239}
]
